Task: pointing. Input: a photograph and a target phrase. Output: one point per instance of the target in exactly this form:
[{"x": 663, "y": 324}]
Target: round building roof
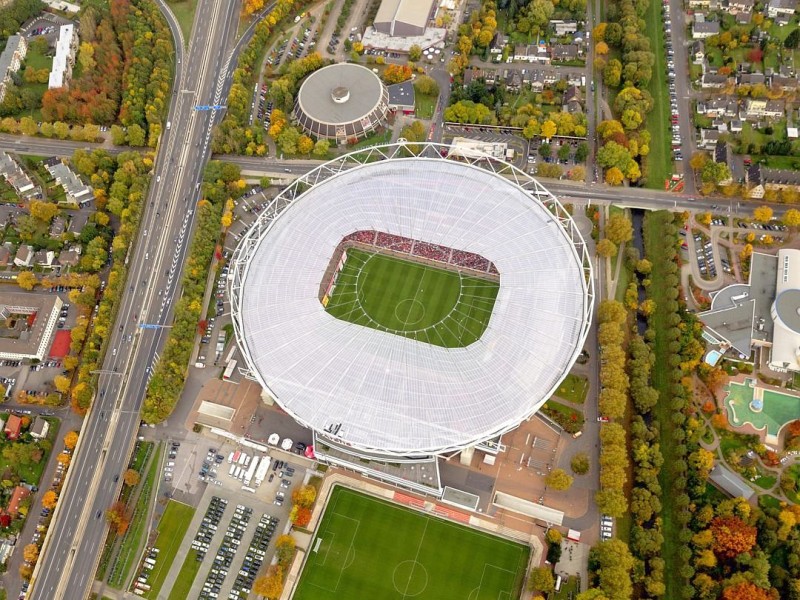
[
  {"x": 341, "y": 93},
  {"x": 787, "y": 306},
  {"x": 384, "y": 392}
]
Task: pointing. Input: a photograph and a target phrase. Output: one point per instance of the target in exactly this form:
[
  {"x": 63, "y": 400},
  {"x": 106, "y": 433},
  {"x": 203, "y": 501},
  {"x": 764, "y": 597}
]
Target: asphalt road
[{"x": 75, "y": 538}]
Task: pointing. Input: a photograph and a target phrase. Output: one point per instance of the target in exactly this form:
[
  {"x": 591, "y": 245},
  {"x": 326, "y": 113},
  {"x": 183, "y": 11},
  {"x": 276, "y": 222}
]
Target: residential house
[
  {"x": 64, "y": 59},
  {"x": 17, "y": 498},
  {"x": 58, "y": 226},
  {"x": 5, "y": 256},
  {"x": 704, "y": 29},
  {"x": 513, "y": 80},
  {"x": 699, "y": 4},
  {"x": 78, "y": 221},
  {"x": 735, "y": 126},
  {"x": 575, "y": 78},
  {"x": 44, "y": 258},
  {"x": 722, "y": 154},
  {"x": 39, "y": 428},
  {"x": 708, "y": 138},
  {"x": 526, "y": 53},
  {"x": 757, "y": 108},
  {"x": 787, "y": 83},
  {"x": 24, "y": 257},
  {"x": 77, "y": 192},
  {"x": 10, "y": 60},
  {"x": 698, "y": 52},
  {"x": 563, "y": 27},
  {"x": 738, "y": 6},
  {"x": 564, "y": 52},
  {"x": 713, "y": 81},
  {"x": 760, "y": 179},
  {"x": 781, "y": 7},
  {"x": 499, "y": 42},
  {"x": 751, "y": 79},
  {"x": 550, "y": 76},
  {"x": 572, "y": 100},
  {"x": 16, "y": 177},
  {"x": 69, "y": 258},
  {"x": 743, "y": 18},
  {"x": 13, "y": 427},
  {"x": 537, "y": 80},
  {"x": 719, "y": 107},
  {"x": 473, "y": 74}
]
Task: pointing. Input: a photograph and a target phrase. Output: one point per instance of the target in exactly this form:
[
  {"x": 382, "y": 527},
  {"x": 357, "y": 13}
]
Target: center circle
[
  {"x": 410, "y": 578},
  {"x": 409, "y": 311}
]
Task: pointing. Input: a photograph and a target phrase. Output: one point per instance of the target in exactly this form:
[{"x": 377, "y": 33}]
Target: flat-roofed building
[
  {"x": 10, "y": 60},
  {"x": 27, "y": 324},
  {"x": 64, "y": 59},
  {"x": 404, "y": 18}
]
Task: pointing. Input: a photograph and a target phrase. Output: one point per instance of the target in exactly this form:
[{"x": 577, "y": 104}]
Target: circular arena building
[
  {"x": 341, "y": 102},
  {"x": 394, "y": 371}
]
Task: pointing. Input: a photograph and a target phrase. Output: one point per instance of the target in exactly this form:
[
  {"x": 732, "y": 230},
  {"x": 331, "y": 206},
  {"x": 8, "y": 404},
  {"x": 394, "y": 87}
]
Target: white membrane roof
[{"x": 390, "y": 393}]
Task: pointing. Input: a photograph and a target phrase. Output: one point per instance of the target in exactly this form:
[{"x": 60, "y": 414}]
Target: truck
[
  {"x": 230, "y": 457},
  {"x": 237, "y": 472},
  {"x": 263, "y": 469},
  {"x": 231, "y": 470},
  {"x": 236, "y": 456},
  {"x": 251, "y": 471},
  {"x": 242, "y": 458}
]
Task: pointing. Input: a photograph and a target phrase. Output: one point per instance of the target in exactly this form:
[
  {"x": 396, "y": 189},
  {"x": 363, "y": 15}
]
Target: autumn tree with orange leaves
[
  {"x": 732, "y": 536},
  {"x": 745, "y": 590}
]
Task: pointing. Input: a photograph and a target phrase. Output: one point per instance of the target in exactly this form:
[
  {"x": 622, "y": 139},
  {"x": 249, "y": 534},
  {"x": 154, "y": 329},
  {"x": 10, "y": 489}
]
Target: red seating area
[
  {"x": 431, "y": 251},
  {"x": 398, "y": 243},
  {"x": 401, "y": 498}
]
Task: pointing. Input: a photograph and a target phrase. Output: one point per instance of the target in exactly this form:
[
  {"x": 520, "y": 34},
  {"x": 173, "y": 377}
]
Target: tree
[
  {"x": 553, "y": 536},
  {"x": 577, "y": 173},
  {"x": 27, "y": 280},
  {"x": 396, "y": 74},
  {"x": 614, "y": 176},
  {"x": 305, "y": 145},
  {"x": 745, "y": 590},
  {"x": 606, "y": 248},
  {"x": 426, "y": 85},
  {"x": 792, "y": 40},
  {"x": 614, "y": 562},
  {"x": 49, "y": 499},
  {"x": 732, "y": 537},
  {"x": 136, "y": 135},
  {"x": 762, "y": 214},
  {"x": 25, "y": 571},
  {"x": 321, "y": 148},
  {"x": 31, "y": 553},
  {"x": 284, "y": 549},
  {"x": 791, "y": 218},
  {"x": 304, "y": 496},
  {"x": 71, "y": 440},
  {"x": 541, "y": 579},
  {"x": 271, "y": 584},
  {"x": 131, "y": 477},
  {"x": 619, "y": 228},
  {"x": 63, "y": 459},
  {"x": 414, "y": 53},
  {"x": 62, "y": 383},
  {"x": 549, "y": 129},
  {"x": 558, "y": 479},
  {"x": 698, "y": 160}
]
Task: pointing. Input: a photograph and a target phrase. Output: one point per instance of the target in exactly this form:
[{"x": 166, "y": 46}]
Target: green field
[
  {"x": 372, "y": 549},
  {"x": 171, "y": 528},
  {"x": 424, "y": 303},
  {"x": 183, "y": 583}
]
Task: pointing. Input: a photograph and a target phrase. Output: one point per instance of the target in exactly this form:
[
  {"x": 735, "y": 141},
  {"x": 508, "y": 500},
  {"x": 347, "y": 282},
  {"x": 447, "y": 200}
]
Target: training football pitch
[
  {"x": 421, "y": 302},
  {"x": 367, "y": 549}
]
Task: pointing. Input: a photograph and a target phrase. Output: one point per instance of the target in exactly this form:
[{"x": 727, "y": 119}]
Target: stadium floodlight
[{"x": 396, "y": 394}]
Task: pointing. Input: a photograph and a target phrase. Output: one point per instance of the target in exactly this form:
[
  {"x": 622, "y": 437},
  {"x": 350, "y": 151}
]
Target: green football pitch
[
  {"x": 368, "y": 549},
  {"x": 424, "y": 303}
]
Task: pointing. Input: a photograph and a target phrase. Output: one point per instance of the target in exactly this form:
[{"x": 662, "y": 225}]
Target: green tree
[
  {"x": 414, "y": 53},
  {"x": 541, "y": 579},
  {"x": 321, "y": 148},
  {"x": 426, "y": 85},
  {"x": 606, "y": 248},
  {"x": 558, "y": 479},
  {"x": 136, "y": 135},
  {"x": 580, "y": 463},
  {"x": 619, "y": 228}
]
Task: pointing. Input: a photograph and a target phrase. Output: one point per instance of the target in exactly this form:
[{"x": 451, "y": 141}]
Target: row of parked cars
[
  {"x": 208, "y": 526},
  {"x": 227, "y": 550},
  {"x": 673, "y": 93},
  {"x": 254, "y": 558},
  {"x": 606, "y": 527}
]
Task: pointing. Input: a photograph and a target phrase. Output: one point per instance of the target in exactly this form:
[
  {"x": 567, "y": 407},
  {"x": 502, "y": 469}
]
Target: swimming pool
[{"x": 712, "y": 358}]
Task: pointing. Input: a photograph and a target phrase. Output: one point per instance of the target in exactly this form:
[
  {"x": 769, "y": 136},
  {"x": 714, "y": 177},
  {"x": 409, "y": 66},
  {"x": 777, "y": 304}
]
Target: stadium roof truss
[{"x": 397, "y": 152}]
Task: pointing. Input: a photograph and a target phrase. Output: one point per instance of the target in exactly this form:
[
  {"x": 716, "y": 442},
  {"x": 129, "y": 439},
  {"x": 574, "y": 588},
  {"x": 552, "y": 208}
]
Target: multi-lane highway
[{"x": 69, "y": 559}]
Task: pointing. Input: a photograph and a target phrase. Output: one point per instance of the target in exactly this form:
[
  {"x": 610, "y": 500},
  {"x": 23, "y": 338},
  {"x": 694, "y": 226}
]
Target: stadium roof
[{"x": 387, "y": 392}]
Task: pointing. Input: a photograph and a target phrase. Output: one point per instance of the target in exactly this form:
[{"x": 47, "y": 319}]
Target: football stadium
[{"x": 402, "y": 302}]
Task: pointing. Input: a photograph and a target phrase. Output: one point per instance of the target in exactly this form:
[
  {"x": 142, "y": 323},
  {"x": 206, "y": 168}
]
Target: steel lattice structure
[{"x": 378, "y": 392}]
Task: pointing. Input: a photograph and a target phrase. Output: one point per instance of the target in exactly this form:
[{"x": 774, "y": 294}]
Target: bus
[{"x": 229, "y": 370}]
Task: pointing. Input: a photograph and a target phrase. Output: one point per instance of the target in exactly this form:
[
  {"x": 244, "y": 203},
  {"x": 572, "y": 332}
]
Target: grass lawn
[
  {"x": 171, "y": 528},
  {"x": 184, "y": 12},
  {"x": 660, "y": 254},
  {"x": 129, "y": 549},
  {"x": 182, "y": 585},
  {"x": 659, "y": 163},
  {"x": 424, "y": 303},
  {"x": 382, "y": 137},
  {"x": 766, "y": 481},
  {"x": 778, "y": 162},
  {"x": 30, "y": 473},
  {"x": 574, "y": 388},
  {"x": 569, "y": 589},
  {"x": 424, "y": 105},
  {"x": 768, "y": 502},
  {"x": 372, "y": 549}
]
